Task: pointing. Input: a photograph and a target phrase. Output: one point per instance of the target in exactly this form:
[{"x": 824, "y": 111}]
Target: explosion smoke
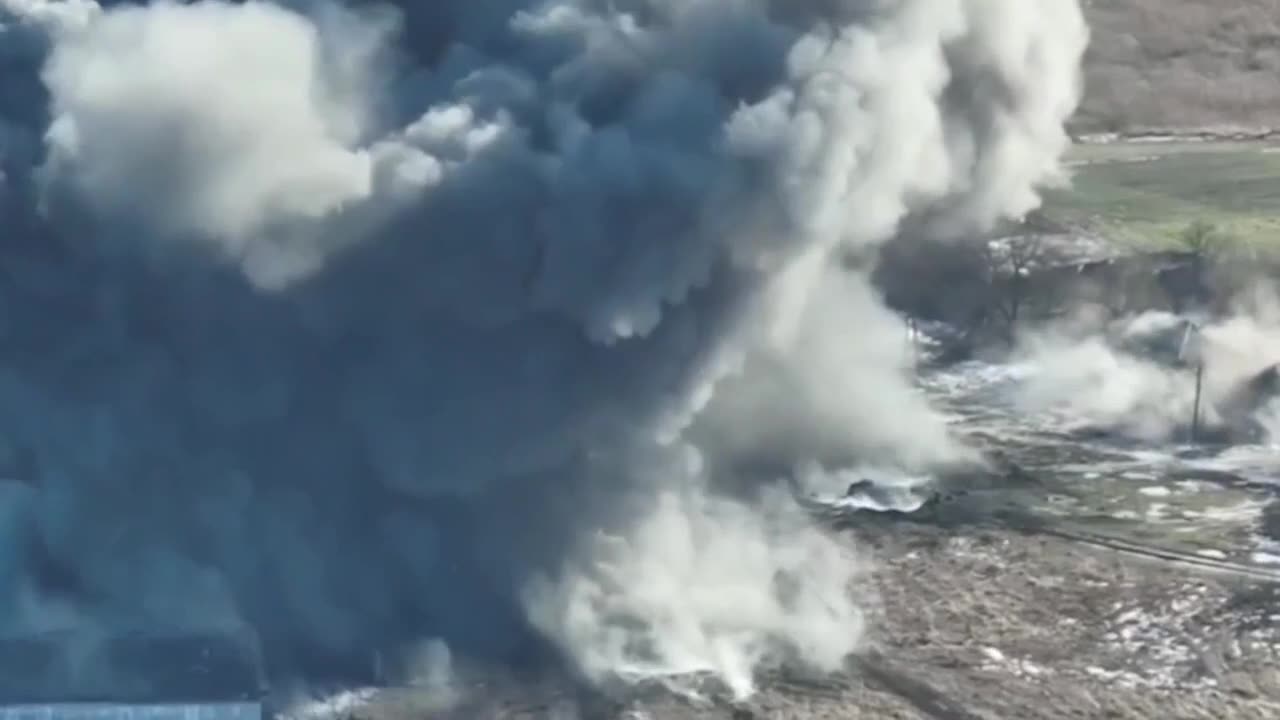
[
  {"x": 489, "y": 321},
  {"x": 1080, "y": 372}
]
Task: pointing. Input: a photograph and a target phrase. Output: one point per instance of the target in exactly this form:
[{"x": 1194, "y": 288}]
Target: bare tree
[{"x": 1010, "y": 263}]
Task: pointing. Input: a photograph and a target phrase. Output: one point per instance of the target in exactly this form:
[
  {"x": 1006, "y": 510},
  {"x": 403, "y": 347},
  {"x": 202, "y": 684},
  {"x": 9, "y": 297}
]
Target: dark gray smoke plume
[{"x": 493, "y": 321}]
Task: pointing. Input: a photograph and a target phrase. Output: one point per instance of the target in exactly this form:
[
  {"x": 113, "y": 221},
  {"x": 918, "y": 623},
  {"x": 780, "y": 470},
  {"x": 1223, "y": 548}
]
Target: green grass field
[{"x": 1147, "y": 193}]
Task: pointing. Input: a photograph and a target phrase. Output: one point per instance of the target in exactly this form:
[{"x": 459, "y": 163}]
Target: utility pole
[
  {"x": 913, "y": 343},
  {"x": 1192, "y": 347},
  {"x": 1195, "y": 407}
]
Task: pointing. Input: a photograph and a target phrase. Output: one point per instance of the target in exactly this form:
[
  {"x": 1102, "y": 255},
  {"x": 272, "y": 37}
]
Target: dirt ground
[
  {"x": 1007, "y": 625},
  {"x": 993, "y": 623},
  {"x": 983, "y": 622},
  {"x": 1083, "y": 582}
]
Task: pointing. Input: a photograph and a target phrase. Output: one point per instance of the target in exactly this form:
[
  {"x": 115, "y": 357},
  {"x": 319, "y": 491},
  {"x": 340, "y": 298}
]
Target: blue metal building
[{"x": 131, "y": 676}]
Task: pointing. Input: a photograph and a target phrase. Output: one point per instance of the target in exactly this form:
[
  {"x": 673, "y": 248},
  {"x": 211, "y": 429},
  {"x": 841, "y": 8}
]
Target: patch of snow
[
  {"x": 1122, "y": 678},
  {"x": 1155, "y": 491},
  {"x": 1244, "y": 511},
  {"x": 1161, "y": 637},
  {"x": 1129, "y": 616},
  {"x": 993, "y": 654},
  {"x": 1030, "y": 668},
  {"x": 1210, "y": 553},
  {"x": 331, "y": 708},
  {"x": 1021, "y": 667}
]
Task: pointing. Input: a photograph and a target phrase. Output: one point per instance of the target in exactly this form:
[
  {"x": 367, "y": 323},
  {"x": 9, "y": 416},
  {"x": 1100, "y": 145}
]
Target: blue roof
[
  {"x": 127, "y": 711},
  {"x": 136, "y": 667}
]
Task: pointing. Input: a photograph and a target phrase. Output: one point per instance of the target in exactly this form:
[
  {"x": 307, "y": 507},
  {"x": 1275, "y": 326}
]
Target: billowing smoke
[
  {"x": 501, "y": 322},
  {"x": 1137, "y": 376}
]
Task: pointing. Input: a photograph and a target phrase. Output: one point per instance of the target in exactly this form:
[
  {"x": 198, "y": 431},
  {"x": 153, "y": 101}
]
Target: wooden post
[
  {"x": 1195, "y": 407},
  {"x": 913, "y": 339},
  {"x": 915, "y": 327}
]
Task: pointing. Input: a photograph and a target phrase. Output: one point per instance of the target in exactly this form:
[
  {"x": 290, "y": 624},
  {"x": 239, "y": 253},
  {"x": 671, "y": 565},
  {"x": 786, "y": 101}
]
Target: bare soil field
[
  {"x": 1080, "y": 579},
  {"x": 984, "y": 624}
]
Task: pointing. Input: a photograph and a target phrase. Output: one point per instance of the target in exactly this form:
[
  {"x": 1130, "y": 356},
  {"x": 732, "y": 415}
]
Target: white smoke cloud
[
  {"x": 554, "y": 302},
  {"x": 52, "y": 16},
  {"x": 1092, "y": 382},
  {"x": 1092, "y": 377},
  {"x": 828, "y": 383},
  {"x": 209, "y": 121},
  {"x": 705, "y": 586}
]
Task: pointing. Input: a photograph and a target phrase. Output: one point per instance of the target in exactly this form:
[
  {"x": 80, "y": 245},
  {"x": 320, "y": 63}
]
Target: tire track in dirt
[
  {"x": 922, "y": 696},
  {"x": 1154, "y": 552}
]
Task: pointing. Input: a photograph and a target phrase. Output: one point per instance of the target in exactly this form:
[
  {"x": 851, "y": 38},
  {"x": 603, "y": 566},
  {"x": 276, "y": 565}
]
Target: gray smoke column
[{"x": 502, "y": 321}]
